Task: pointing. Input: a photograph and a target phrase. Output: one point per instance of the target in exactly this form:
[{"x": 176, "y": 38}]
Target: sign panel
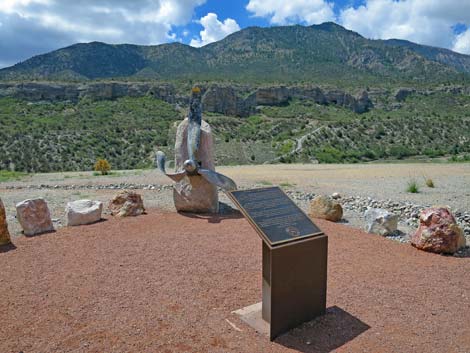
[{"x": 274, "y": 215}]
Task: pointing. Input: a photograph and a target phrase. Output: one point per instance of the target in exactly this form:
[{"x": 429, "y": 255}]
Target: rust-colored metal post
[{"x": 294, "y": 283}]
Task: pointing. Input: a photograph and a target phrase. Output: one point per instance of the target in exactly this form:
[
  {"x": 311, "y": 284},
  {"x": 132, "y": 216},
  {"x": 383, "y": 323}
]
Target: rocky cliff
[{"x": 228, "y": 100}]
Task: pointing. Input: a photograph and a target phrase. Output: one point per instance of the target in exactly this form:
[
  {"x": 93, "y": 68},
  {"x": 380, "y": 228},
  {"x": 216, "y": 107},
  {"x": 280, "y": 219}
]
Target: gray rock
[
  {"x": 380, "y": 221},
  {"x": 83, "y": 212}
]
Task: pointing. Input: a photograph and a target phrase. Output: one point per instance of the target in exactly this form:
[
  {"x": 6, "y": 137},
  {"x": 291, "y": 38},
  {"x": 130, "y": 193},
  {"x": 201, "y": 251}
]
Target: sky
[{"x": 32, "y": 27}]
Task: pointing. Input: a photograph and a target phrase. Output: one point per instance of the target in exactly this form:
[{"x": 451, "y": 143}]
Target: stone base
[
  {"x": 252, "y": 315},
  {"x": 195, "y": 194}
]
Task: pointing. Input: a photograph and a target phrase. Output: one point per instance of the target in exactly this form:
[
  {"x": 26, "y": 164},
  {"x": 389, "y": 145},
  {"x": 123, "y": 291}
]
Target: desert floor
[
  {"x": 377, "y": 181},
  {"x": 166, "y": 282}
]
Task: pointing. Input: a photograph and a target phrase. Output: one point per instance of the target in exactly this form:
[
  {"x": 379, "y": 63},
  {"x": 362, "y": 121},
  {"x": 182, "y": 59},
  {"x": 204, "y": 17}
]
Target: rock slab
[
  {"x": 438, "y": 232},
  {"x": 194, "y": 193},
  {"x": 83, "y": 212},
  {"x": 380, "y": 221},
  {"x": 126, "y": 203},
  {"x": 325, "y": 208},
  {"x": 4, "y": 234},
  {"x": 34, "y": 216}
]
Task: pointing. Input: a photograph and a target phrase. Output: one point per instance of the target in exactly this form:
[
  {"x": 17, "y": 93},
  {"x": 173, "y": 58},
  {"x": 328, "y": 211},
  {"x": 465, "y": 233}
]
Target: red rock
[
  {"x": 4, "y": 234},
  {"x": 438, "y": 232}
]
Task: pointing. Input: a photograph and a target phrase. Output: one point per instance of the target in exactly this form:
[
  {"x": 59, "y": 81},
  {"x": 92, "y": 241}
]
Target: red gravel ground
[{"x": 169, "y": 282}]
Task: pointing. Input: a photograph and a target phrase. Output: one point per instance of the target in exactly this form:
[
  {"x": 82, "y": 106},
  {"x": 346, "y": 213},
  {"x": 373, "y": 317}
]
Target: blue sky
[{"x": 31, "y": 27}]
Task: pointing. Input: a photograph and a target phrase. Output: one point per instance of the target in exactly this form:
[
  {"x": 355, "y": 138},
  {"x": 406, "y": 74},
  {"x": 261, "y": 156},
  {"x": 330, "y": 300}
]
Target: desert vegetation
[{"x": 61, "y": 136}]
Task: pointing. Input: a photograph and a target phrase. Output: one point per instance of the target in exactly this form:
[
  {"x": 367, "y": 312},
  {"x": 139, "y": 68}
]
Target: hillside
[
  {"x": 279, "y": 94},
  {"x": 324, "y": 54},
  {"x": 52, "y": 136}
]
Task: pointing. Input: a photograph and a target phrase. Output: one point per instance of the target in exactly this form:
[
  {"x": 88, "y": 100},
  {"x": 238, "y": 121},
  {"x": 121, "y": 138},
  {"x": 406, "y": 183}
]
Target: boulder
[
  {"x": 126, "y": 203},
  {"x": 194, "y": 193},
  {"x": 438, "y": 232},
  {"x": 4, "y": 234},
  {"x": 34, "y": 216},
  {"x": 83, "y": 212},
  {"x": 324, "y": 207},
  {"x": 380, "y": 221}
]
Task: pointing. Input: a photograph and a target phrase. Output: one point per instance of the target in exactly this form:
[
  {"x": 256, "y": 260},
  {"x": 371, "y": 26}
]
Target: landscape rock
[
  {"x": 380, "y": 221},
  {"x": 438, "y": 232},
  {"x": 325, "y": 208},
  {"x": 194, "y": 193},
  {"x": 335, "y": 196},
  {"x": 34, "y": 216},
  {"x": 4, "y": 234},
  {"x": 126, "y": 203},
  {"x": 83, "y": 212}
]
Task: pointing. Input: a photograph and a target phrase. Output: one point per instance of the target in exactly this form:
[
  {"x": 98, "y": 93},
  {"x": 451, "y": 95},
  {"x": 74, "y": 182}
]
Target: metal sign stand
[
  {"x": 294, "y": 283},
  {"x": 295, "y": 255}
]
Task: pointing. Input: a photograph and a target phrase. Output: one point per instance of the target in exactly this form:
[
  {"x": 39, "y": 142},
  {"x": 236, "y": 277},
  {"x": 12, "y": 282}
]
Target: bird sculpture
[{"x": 192, "y": 166}]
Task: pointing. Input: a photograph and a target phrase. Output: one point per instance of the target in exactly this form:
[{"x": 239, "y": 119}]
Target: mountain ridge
[{"x": 326, "y": 53}]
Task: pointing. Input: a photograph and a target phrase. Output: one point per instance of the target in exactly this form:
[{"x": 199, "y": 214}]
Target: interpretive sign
[{"x": 274, "y": 215}]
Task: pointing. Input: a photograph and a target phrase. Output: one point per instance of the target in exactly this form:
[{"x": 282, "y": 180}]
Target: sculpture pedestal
[{"x": 195, "y": 194}]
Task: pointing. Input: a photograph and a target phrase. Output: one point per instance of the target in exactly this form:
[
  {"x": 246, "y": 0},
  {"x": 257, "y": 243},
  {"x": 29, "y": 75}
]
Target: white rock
[
  {"x": 83, "y": 212},
  {"x": 335, "y": 195},
  {"x": 380, "y": 221},
  {"x": 34, "y": 216}
]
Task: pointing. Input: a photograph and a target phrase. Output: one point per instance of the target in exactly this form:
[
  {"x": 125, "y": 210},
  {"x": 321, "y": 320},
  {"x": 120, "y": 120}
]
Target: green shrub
[
  {"x": 412, "y": 186},
  {"x": 329, "y": 155}
]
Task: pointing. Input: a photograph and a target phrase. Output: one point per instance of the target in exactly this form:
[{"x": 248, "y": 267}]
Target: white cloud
[
  {"x": 422, "y": 21},
  {"x": 214, "y": 29},
  {"x": 31, "y": 27},
  {"x": 462, "y": 43},
  {"x": 292, "y": 11},
  {"x": 428, "y": 22}
]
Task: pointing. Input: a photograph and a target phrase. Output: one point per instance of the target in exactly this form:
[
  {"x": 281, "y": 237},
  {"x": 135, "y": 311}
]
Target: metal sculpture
[{"x": 192, "y": 166}]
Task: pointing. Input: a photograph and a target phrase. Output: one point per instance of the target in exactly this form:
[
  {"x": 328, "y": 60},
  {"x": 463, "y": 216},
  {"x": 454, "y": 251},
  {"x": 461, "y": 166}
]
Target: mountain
[
  {"x": 326, "y": 53},
  {"x": 460, "y": 62}
]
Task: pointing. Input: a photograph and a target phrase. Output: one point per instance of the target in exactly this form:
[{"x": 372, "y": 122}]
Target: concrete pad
[{"x": 251, "y": 315}]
